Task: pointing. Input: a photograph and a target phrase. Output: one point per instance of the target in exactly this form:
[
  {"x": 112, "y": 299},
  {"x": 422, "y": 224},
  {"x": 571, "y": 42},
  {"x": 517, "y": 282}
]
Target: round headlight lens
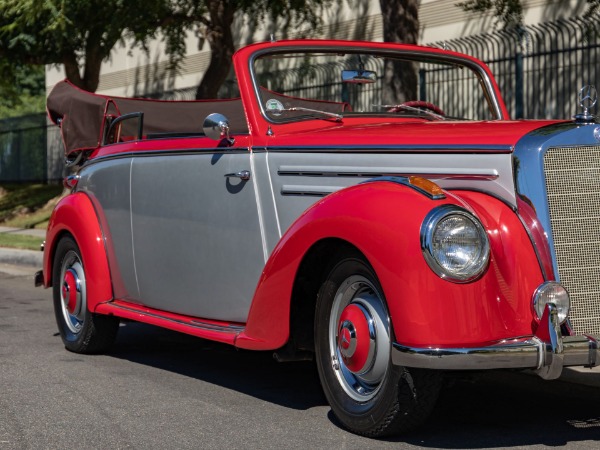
[
  {"x": 454, "y": 244},
  {"x": 552, "y": 292}
]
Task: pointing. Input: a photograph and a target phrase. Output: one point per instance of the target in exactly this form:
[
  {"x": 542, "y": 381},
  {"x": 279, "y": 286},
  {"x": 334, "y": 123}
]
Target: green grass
[
  {"x": 13, "y": 240},
  {"x": 26, "y": 206}
]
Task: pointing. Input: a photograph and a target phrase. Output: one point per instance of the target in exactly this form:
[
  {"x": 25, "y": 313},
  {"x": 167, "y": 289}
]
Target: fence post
[{"x": 519, "y": 85}]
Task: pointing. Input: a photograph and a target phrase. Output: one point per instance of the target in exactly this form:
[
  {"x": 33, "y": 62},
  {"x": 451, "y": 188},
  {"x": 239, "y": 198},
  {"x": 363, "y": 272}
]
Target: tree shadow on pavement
[
  {"x": 475, "y": 410},
  {"x": 292, "y": 384}
]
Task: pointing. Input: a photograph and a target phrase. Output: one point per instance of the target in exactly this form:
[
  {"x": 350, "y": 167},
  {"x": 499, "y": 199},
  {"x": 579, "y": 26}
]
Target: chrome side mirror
[{"x": 216, "y": 126}]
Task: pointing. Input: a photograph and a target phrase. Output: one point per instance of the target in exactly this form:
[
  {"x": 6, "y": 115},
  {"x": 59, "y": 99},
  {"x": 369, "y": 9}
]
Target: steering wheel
[{"x": 417, "y": 104}]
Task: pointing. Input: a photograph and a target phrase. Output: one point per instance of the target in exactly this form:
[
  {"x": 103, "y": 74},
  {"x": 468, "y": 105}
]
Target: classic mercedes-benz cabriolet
[{"x": 370, "y": 205}]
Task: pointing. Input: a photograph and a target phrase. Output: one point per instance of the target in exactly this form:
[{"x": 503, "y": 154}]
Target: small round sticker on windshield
[{"x": 273, "y": 106}]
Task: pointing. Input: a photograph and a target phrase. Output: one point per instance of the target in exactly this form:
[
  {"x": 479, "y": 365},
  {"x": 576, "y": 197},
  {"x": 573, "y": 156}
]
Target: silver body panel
[
  {"x": 300, "y": 178},
  {"x": 188, "y": 240}
]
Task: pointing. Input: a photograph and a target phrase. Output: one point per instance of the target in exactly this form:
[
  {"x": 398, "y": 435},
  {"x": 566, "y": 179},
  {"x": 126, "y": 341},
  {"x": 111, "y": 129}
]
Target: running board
[{"x": 214, "y": 330}]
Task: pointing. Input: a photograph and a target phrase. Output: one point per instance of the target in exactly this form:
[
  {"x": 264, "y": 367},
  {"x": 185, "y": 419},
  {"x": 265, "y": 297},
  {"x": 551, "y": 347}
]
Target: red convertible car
[{"x": 369, "y": 205}]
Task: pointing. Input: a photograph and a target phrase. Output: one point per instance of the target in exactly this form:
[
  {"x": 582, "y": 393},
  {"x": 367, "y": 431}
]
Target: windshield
[{"x": 337, "y": 84}]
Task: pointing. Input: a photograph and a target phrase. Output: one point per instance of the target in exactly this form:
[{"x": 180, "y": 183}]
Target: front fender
[
  {"x": 383, "y": 221},
  {"x": 75, "y": 215}
]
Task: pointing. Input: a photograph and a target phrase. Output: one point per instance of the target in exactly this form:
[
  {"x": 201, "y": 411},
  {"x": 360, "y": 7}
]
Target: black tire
[
  {"x": 80, "y": 330},
  {"x": 371, "y": 396}
]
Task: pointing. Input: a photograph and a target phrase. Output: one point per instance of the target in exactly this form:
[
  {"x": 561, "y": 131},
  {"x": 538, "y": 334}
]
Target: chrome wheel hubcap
[
  {"x": 359, "y": 338},
  {"x": 72, "y": 292}
]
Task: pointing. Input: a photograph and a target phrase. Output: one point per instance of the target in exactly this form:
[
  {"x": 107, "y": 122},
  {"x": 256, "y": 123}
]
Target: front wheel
[
  {"x": 353, "y": 339},
  {"x": 80, "y": 330}
]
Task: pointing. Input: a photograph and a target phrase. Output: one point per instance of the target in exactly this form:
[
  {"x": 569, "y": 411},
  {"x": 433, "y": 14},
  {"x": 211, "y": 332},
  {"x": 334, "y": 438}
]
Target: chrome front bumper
[{"x": 546, "y": 352}]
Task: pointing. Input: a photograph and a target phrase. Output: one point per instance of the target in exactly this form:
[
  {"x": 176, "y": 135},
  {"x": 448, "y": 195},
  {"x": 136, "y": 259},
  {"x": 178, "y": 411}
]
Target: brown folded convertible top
[{"x": 82, "y": 115}]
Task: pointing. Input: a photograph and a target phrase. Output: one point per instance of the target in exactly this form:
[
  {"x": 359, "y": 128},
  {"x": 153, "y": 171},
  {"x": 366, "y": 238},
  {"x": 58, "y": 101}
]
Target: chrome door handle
[{"x": 242, "y": 175}]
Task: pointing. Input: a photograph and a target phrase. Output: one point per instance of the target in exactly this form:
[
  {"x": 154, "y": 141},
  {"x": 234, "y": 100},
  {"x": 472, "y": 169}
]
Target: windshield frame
[{"x": 389, "y": 50}]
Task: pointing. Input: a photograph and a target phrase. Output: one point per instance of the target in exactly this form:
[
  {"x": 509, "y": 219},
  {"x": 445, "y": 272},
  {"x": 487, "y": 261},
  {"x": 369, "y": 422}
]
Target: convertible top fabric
[{"x": 81, "y": 115}]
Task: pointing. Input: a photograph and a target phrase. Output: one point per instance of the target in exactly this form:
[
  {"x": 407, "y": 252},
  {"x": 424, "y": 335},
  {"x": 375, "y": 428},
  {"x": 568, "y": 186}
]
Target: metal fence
[
  {"x": 539, "y": 68},
  {"x": 30, "y": 150}
]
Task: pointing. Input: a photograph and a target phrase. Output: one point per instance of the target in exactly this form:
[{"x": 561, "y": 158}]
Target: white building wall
[{"x": 134, "y": 73}]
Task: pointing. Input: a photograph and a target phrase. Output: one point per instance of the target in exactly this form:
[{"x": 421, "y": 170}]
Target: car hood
[{"x": 502, "y": 135}]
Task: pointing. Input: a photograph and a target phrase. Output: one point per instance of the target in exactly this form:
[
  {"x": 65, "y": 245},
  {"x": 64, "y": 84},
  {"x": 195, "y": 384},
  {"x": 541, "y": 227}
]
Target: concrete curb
[{"x": 18, "y": 257}]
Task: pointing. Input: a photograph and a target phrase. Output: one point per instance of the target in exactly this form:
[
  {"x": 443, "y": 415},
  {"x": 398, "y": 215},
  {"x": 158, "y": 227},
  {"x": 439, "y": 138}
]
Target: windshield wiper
[
  {"x": 413, "y": 109},
  {"x": 330, "y": 115}
]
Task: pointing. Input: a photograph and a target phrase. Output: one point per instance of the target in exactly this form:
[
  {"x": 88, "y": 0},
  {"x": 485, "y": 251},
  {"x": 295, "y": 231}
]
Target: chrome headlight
[{"x": 454, "y": 244}]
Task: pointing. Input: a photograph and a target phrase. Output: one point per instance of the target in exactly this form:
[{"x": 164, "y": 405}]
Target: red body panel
[
  {"x": 425, "y": 309},
  {"x": 176, "y": 322},
  {"x": 438, "y": 135},
  {"x": 76, "y": 215}
]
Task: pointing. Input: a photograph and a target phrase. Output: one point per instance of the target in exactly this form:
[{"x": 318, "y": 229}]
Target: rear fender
[{"x": 75, "y": 215}]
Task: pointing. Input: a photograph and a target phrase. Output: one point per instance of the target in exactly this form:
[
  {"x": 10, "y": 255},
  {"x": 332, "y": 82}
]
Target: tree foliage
[
  {"x": 81, "y": 34},
  {"x": 22, "y": 89},
  {"x": 509, "y": 13}
]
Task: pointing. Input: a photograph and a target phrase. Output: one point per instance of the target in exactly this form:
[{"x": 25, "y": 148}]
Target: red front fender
[
  {"x": 76, "y": 215},
  {"x": 383, "y": 221}
]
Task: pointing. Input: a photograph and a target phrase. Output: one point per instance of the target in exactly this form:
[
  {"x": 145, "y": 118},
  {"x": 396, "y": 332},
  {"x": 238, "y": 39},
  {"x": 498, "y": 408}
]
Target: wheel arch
[
  {"x": 76, "y": 216},
  {"x": 380, "y": 220},
  {"x": 316, "y": 264}
]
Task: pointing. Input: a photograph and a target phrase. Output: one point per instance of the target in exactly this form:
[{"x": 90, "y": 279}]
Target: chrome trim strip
[
  {"x": 261, "y": 224},
  {"x": 319, "y": 191},
  {"x": 194, "y": 323},
  {"x": 354, "y": 171},
  {"x": 395, "y": 148},
  {"x": 166, "y": 152}
]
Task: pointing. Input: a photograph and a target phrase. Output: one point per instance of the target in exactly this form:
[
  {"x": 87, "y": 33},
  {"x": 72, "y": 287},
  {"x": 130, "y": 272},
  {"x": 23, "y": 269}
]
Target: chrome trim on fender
[
  {"x": 393, "y": 149},
  {"x": 318, "y": 191},
  {"x": 546, "y": 352},
  {"x": 368, "y": 172}
]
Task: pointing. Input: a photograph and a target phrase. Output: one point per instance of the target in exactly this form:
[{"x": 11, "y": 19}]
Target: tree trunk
[
  {"x": 400, "y": 24},
  {"x": 91, "y": 71},
  {"x": 72, "y": 70},
  {"x": 220, "y": 39}
]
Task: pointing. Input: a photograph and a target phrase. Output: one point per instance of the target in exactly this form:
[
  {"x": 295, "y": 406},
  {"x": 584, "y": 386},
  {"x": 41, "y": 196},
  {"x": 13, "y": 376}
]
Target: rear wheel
[
  {"x": 353, "y": 339},
  {"x": 80, "y": 330}
]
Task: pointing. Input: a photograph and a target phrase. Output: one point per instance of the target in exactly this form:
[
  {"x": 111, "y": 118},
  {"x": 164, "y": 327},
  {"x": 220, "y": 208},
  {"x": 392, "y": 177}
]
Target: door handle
[{"x": 242, "y": 175}]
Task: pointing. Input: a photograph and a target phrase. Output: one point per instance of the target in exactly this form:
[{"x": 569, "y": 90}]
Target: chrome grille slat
[{"x": 573, "y": 187}]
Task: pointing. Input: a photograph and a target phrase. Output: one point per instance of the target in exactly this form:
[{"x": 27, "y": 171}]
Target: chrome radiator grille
[{"x": 573, "y": 186}]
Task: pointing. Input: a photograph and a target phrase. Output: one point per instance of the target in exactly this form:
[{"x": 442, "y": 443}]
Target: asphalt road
[{"x": 162, "y": 390}]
